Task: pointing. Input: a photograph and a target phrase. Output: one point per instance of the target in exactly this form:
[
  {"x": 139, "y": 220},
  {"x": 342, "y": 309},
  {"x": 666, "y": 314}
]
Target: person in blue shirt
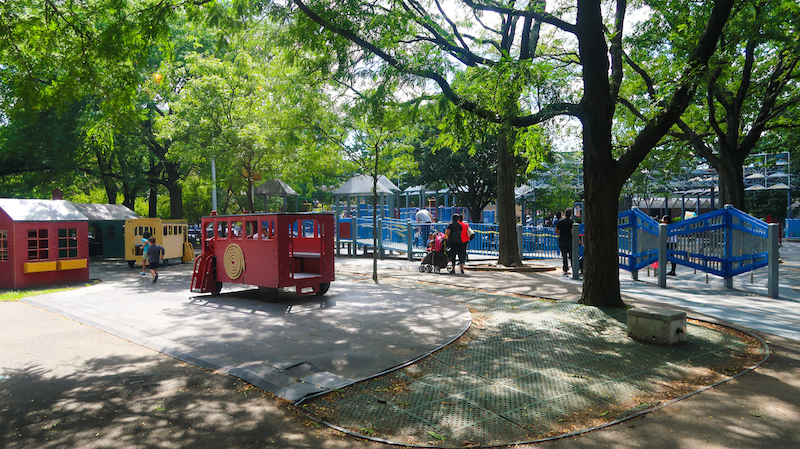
[{"x": 145, "y": 247}]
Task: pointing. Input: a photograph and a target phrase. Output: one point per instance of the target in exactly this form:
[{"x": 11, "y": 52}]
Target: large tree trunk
[
  {"x": 601, "y": 261},
  {"x": 600, "y": 177},
  {"x": 507, "y": 223},
  {"x": 175, "y": 189},
  {"x": 729, "y": 164}
]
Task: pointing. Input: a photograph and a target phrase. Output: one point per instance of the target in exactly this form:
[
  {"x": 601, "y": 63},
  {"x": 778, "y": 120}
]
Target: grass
[{"x": 16, "y": 295}]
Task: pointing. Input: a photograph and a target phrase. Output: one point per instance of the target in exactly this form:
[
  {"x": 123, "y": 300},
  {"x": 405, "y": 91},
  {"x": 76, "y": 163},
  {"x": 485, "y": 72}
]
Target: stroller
[{"x": 436, "y": 257}]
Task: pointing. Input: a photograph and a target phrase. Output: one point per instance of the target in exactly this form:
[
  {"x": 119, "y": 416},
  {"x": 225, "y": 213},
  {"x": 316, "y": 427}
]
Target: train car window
[
  {"x": 268, "y": 229},
  {"x": 209, "y": 231},
  {"x": 236, "y": 229},
  {"x": 110, "y": 231},
  {"x": 222, "y": 229},
  {"x": 251, "y": 229}
]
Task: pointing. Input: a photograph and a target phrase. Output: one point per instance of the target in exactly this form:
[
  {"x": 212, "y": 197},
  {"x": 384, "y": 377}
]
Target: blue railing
[
  {"x": 726, "y": 242},
  {"x": 540, "y": 242},
  {"x": 637, "y": 237}
]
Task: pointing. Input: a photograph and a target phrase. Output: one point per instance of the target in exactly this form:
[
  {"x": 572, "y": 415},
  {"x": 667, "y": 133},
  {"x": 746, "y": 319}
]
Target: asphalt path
[{"x": 68, "y": 384}]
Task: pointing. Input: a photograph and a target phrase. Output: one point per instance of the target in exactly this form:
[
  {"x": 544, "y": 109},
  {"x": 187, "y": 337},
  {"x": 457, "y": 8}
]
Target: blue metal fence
[
  {"x": 539, "y": 242},
  {"x": 726, "y": 242},
  {"x": 637, "y": 236}
]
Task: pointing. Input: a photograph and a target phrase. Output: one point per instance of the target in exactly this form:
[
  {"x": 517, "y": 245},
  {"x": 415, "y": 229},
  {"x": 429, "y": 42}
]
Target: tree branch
[
  {"x": 538, "y": 15},
  {"x": 697, "y": 63}
]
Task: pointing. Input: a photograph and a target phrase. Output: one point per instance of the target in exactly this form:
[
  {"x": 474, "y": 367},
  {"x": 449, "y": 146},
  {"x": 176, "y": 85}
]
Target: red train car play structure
[{"x": 270, "y": 251}]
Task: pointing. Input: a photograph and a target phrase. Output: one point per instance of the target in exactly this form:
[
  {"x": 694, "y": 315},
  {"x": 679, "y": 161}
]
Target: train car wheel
[
  {"x": 131, "y": 263},
  {"x": 323, "y": 288},
  {"x": 422, "y": 268}
]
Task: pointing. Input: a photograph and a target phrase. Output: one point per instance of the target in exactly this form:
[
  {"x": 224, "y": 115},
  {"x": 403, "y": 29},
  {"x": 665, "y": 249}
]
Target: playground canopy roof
[
  {"x": 275, "y": 187},
  {"x": 40, "y": 210},
  {"x": 105, "y": 212},
  {"x": 362, "y": 185}
]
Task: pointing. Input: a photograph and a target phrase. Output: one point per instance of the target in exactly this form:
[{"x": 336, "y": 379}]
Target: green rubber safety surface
[{"x": 527, "y": 369}]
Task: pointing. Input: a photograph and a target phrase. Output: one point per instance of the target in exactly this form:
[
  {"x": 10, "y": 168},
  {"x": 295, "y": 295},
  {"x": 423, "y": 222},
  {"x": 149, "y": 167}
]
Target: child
[
  {"x": 431, "y": 240},
  {"x": 145, "y": 247},
  {"x": 154, "y": 254}
]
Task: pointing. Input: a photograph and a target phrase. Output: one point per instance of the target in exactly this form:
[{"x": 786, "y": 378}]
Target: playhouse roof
[
  {"x": 275, "y": 187},
  {"x": 105, "y": 212},
  {"x": 40, "y": 210},
  {"x": 362, "y": 185}
]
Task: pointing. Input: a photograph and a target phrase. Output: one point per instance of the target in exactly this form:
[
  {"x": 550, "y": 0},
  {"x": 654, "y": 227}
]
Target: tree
[
  {"x": 458, "y": 151},
  {"x": 751, "y": 87},
  {"x": 95, "y": 53},
  {"x": 373, "y": 136},
  {"x": 429, "y": 42}
]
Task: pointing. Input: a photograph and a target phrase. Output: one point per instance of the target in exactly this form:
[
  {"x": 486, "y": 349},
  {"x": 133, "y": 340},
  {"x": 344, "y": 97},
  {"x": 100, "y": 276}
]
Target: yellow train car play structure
[{"x": 171, "y": 234}]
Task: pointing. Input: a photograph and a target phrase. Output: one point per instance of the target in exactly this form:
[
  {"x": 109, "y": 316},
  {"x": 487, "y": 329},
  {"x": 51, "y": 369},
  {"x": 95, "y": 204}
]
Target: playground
[{"x": 148, "y": 397}]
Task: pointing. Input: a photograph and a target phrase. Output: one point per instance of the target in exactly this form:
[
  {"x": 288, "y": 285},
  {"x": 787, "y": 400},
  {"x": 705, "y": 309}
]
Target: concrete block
[{"x": 658, "y": 326}]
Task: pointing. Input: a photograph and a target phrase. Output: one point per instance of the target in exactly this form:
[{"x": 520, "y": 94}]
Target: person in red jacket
[{"x": 467, "y": 234}]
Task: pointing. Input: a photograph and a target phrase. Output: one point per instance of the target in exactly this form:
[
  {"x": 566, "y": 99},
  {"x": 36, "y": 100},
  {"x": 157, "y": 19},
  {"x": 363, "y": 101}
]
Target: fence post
[
  {"x": 772, "y": 265},
  {"x": 520, "y": 245},
  {"x": 354, "y": 234},
  {"x": 576, "y": 257},
  {"x": 380, "y": 238},
  {"x": 635, "y": 248},
  {"x": 662, "y": 255},
  {"x": 728, "y": 248},
  {"x": 410, "y": 239}
]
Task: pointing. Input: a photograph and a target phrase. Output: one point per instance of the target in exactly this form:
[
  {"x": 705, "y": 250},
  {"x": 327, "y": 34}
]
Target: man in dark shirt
[{"x": 564, "y": 232}]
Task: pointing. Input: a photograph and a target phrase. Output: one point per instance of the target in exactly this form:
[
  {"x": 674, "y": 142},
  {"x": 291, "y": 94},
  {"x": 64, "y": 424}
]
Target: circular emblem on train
[{"x": 234, "y": 261}]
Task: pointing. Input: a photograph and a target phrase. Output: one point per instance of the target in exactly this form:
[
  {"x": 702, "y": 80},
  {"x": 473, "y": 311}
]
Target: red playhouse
[
  {"x": 42, "y": 242},
  {"x": 270, "y": 251}
]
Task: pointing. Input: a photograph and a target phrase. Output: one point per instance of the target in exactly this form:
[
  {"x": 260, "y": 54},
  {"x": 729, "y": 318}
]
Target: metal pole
[
  {"x": 213, "y": 185},
  {"x": 576, "y": 258},
  {"x": 380, "y": 238},
  {"x": 662, "y": 255},
  {"x": 410, "y": 239},
  {"x": 772, "y": 265}
]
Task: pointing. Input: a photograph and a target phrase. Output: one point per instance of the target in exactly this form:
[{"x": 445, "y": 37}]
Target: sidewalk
[{"x": 63, "y": 384}]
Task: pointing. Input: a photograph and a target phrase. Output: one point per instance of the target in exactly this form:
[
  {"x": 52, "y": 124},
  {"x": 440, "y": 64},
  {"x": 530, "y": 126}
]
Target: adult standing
[
  {"x": 424, "y": 221},
  {"x": 466, "y": 234},
  {"x": 564, "y": 232},
  {"x": 457, "y": 248}
]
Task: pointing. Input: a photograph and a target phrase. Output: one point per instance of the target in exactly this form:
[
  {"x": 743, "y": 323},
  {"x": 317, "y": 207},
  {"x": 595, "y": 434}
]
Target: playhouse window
[
  {"x": 3, "y": 245},
  {"x": 67, "y": 243},
  {"x": 38, "y": 244}
]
